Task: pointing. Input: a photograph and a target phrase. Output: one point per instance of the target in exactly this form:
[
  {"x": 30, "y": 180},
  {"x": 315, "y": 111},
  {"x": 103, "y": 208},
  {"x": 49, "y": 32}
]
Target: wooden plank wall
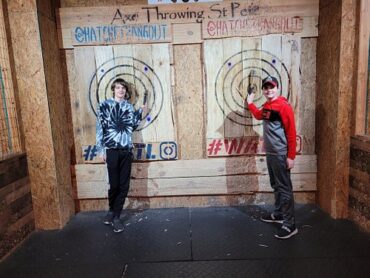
[
  {"x": 296, "y": 17},
  {"x": 96, "y": 68},
  {"x": 16, "y": 213},
  {"x": 217, "y": 176},
  {"x": 255, "y": 198},
  {"x": 193, "y": 114},
  {"x": 359, "y": 182},
  {"x": 228, "y": 62}
]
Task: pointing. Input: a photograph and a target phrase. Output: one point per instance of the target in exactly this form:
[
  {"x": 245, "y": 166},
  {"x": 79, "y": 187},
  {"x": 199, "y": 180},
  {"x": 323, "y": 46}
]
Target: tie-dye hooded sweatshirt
[{"x": 115, "y": 123}]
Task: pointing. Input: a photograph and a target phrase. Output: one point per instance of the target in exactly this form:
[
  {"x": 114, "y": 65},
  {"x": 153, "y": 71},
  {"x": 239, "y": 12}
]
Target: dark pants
[
  {"x": 283, "y": 190},
  {"x": 119, "y": 170}
]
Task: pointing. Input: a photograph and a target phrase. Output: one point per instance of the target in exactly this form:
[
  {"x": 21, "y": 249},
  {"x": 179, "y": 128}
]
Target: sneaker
[
  {"x": 285, "y": 232},
  {"x": 108, "y": 219},
  {"x": 117, "y": 225},
  {"x": 271, "y": 218}
]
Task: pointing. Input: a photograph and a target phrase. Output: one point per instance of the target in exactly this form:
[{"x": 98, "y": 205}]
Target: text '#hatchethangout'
[{"x": 120, "y": 33}]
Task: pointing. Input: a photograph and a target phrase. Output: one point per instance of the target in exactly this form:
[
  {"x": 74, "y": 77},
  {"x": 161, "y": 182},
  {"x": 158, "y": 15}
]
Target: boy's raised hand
[
  {"x": 144, "y": 108},
  {"x": 250, "y": 98},
  {"x": 251, "y": 93}
]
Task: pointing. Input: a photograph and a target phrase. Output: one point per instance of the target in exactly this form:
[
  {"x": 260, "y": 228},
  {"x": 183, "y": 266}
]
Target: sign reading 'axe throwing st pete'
[{"x": 152, "y": 23}]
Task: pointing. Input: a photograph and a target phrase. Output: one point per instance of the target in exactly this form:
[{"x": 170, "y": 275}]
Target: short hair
[{"x": 124, "y": 84}]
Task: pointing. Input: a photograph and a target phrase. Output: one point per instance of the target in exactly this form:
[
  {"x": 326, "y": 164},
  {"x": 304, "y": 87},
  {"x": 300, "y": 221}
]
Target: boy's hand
[
  {"x": 252, "y": 88},
  {"x": 250, "y": 98},
  {"x": 289, "y": 163},
  {"x": 104, "y": 157},
  {"x": 144, "y": 108}
]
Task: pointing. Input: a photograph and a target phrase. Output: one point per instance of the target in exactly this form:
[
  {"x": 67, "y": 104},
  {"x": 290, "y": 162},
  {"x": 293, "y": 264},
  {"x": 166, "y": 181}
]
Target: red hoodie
[{"x": 279, "y": 131}]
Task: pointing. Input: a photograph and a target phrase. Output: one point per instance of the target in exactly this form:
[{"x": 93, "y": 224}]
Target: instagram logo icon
[{"x": 168, "y": 150}]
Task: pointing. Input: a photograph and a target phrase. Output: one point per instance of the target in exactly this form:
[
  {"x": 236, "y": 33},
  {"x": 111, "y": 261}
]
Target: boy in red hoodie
[{"x": 279, "y": 136}]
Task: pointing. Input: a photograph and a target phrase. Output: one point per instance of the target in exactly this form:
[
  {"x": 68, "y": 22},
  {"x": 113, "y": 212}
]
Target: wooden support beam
[
  {"x": 41, "y": 94},
  {"x": 335, "y": 52}
]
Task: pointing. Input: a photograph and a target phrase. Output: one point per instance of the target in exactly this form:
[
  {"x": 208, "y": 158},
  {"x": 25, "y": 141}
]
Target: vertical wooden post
[
  {"x": 41, "y": 94},
  {"x": 335, "y": 67}
]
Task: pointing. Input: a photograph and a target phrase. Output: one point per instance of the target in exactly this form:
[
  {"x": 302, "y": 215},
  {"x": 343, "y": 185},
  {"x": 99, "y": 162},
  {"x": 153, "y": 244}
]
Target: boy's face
[
  {"x": 119, "y": 91},
  {"x": 270, "y": 92}
]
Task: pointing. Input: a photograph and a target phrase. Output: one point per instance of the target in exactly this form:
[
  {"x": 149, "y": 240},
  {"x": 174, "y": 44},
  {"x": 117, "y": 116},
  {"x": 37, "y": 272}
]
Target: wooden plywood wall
[
  {"x": 145, "y": 67},
  {"x": 196, "y": 87},
  {"x": 189, "y": 101},
  {"x": 232, "y": 64},
  {"x": 217, "y": 176}
]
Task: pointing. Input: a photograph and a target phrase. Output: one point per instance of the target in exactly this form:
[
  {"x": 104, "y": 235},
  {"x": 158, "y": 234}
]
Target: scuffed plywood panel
[
  {"x": 36, "y": 119},
  {"x": 238, "y": 175},
  {"x": 240, "y": 184},
  {"x": 147, "y": 70},
  {"x": 186, "y": 33},
  {"x": 229, "y": 66},
  {"x": 189, "y": 100},
  {"x": 195, "y": 168},
  {"x": 308, "y": 97}
]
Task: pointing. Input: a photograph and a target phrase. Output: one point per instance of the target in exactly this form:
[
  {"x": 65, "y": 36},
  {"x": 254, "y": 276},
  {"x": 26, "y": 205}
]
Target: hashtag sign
[
  {"x": 214, "y": 147},
  {"x": 90, "y": 152}
]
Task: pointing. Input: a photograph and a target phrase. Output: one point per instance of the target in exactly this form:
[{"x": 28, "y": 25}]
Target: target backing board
[
  {"x": 232, "y": 65},
  {"x": 148, "y": 75}
]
